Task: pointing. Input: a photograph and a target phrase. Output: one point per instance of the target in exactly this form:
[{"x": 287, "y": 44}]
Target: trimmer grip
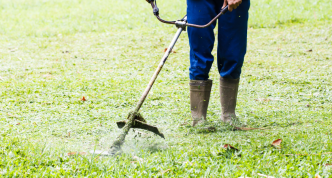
[{"x": 224, "y": 10}]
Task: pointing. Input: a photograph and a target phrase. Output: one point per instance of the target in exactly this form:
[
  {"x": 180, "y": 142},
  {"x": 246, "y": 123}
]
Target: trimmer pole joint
[{"x": 181, "y": 24}]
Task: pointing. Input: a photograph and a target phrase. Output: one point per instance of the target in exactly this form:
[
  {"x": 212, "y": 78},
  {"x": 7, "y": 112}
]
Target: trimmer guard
[{"x": 141, "y": 125}]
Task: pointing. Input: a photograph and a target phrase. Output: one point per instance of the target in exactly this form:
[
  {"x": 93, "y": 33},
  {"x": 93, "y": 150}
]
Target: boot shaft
[
  {"x": 228, "y": 89},
  {"x": 200, "y": 91}
]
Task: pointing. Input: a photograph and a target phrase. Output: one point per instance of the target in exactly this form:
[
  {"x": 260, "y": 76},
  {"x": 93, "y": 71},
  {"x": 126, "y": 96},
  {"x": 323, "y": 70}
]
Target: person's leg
[
  {"x": 232, "y": 46},
  {"x": 201, "y": 43}
]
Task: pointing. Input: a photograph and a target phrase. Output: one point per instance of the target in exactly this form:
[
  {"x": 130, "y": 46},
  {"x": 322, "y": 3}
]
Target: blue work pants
[{"x": 232, "y": 38}]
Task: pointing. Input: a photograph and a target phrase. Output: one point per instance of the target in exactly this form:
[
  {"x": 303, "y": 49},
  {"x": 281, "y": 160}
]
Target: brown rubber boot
[
  {"x": 228, "y": 95},
  {"x": 199, "y": 99}
]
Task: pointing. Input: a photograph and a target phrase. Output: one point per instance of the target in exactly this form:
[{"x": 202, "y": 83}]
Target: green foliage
[{"x": 52, "y": 53}]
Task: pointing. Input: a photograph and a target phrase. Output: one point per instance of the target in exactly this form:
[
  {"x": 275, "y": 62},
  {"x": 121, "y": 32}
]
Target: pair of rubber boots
[{"x": 200, "y": 91}]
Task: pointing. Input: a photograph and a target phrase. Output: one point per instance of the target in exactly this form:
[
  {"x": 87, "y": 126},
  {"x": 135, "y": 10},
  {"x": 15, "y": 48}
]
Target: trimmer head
[
  {"x": 134, "y": 120},
  {"x": 141, "y": 125}
]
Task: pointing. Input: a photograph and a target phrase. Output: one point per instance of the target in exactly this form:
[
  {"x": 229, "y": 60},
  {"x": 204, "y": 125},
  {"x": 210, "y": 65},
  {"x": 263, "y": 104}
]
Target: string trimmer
[{"x": 134, "y": 119}]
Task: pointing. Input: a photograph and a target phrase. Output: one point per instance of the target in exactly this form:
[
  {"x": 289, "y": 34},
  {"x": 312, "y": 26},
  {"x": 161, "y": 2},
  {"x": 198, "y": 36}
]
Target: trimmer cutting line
[{"x": 134, "y": 119}]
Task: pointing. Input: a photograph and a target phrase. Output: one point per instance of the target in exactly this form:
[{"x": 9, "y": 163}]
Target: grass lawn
[{"x": 54, "y": 52}]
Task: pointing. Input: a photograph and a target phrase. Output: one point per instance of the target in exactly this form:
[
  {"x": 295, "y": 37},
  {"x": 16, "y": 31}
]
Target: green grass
[
  {"x": 54, "y": 52},
  {"x": 49, "y": 18}
]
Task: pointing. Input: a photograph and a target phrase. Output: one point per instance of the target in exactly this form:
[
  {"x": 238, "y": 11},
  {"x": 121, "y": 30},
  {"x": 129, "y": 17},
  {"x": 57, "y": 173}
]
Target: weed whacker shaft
[
  {"x": 160, "y": 66},
  {"x": 116, "y": 146},
  {"x": 135, "y": 120}
]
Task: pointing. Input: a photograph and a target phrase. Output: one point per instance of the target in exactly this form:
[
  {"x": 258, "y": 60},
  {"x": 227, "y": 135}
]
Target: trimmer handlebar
[{"x": 183, "y": 22}]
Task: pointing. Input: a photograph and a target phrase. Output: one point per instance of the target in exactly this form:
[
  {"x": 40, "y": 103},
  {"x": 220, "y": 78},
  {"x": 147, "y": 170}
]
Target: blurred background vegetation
[{"x": 20, "y": 18}]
